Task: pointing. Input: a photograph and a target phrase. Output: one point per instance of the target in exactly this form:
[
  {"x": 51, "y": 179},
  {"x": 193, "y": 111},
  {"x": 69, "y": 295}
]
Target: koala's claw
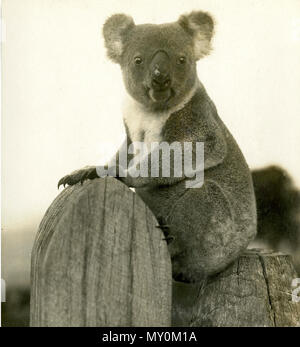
[
  {"x": 66, "y": 180},
  {"x": 165, "y": 228},
  {"x": 62, "y": 181},
  {"x": 78, "y": 176}
]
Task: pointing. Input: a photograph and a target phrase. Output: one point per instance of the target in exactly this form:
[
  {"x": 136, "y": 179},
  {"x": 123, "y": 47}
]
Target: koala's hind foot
[
  {"x": 79, "y": 176},
  {"x": 165, "y": 229}
]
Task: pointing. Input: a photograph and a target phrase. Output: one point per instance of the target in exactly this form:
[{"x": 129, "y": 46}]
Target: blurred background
[{"x": 61, "y": 101}]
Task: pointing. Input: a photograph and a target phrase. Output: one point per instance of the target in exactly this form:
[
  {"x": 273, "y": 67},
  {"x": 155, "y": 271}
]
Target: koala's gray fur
[{"x": 211, "y": 225}]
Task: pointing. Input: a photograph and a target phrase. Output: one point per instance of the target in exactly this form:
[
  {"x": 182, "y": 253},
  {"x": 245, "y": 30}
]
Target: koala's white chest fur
[{"x": 143, "y": 126}]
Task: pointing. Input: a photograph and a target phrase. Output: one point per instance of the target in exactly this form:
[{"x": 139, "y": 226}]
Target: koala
[{"x": 207, "y": 227}]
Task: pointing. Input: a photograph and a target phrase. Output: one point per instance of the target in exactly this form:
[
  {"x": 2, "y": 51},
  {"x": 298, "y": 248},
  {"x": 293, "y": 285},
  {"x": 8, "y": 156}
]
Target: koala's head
[{"x": 158, "y": 61}]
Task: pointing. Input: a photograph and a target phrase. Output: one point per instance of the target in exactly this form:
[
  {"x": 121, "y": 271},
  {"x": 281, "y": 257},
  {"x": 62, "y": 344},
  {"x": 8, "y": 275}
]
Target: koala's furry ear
[
  {"x": 201, "y": 26},
  {"x": 114, "y": 30}
]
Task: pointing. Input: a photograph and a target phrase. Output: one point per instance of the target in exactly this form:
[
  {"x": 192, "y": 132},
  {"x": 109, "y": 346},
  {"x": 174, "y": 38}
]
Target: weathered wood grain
[
  {"x": 255, "y": 291},
  {"x": 99, "y": 260}
]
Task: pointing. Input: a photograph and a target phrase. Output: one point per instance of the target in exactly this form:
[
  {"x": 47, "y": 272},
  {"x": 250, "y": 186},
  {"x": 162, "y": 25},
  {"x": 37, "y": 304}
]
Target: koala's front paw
[{"x": 78, "y": 176}]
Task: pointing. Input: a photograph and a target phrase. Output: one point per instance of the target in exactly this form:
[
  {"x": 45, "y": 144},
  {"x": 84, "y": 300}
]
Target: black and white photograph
[{"x": 150, "y": 172}]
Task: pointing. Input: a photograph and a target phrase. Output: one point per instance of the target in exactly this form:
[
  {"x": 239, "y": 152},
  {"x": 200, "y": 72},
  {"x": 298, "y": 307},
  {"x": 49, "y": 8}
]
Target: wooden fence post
[
  {"x": 99, "y": 260},
  {"x": 255, "y": 291}
]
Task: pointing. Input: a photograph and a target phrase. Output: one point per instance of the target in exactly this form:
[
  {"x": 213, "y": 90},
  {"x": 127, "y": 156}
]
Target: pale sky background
[{"x": 61, "y": 99}]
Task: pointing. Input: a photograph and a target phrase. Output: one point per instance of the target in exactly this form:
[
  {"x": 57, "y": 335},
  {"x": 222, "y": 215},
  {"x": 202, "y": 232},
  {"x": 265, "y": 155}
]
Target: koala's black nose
[
  {"x": 160, "y": 71},
  {"x": 160, "y": 79}
]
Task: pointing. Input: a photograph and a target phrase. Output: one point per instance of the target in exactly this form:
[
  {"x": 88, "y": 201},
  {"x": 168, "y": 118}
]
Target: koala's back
[
  {"x": 221, "y": 215},
  {"x": 199, "y": 121}
]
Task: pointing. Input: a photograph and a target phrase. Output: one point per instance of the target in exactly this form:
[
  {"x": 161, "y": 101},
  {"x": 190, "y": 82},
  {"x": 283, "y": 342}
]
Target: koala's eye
[
  {"x": 138, "y": 60},
  {"x": 181, "y": 60}
]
